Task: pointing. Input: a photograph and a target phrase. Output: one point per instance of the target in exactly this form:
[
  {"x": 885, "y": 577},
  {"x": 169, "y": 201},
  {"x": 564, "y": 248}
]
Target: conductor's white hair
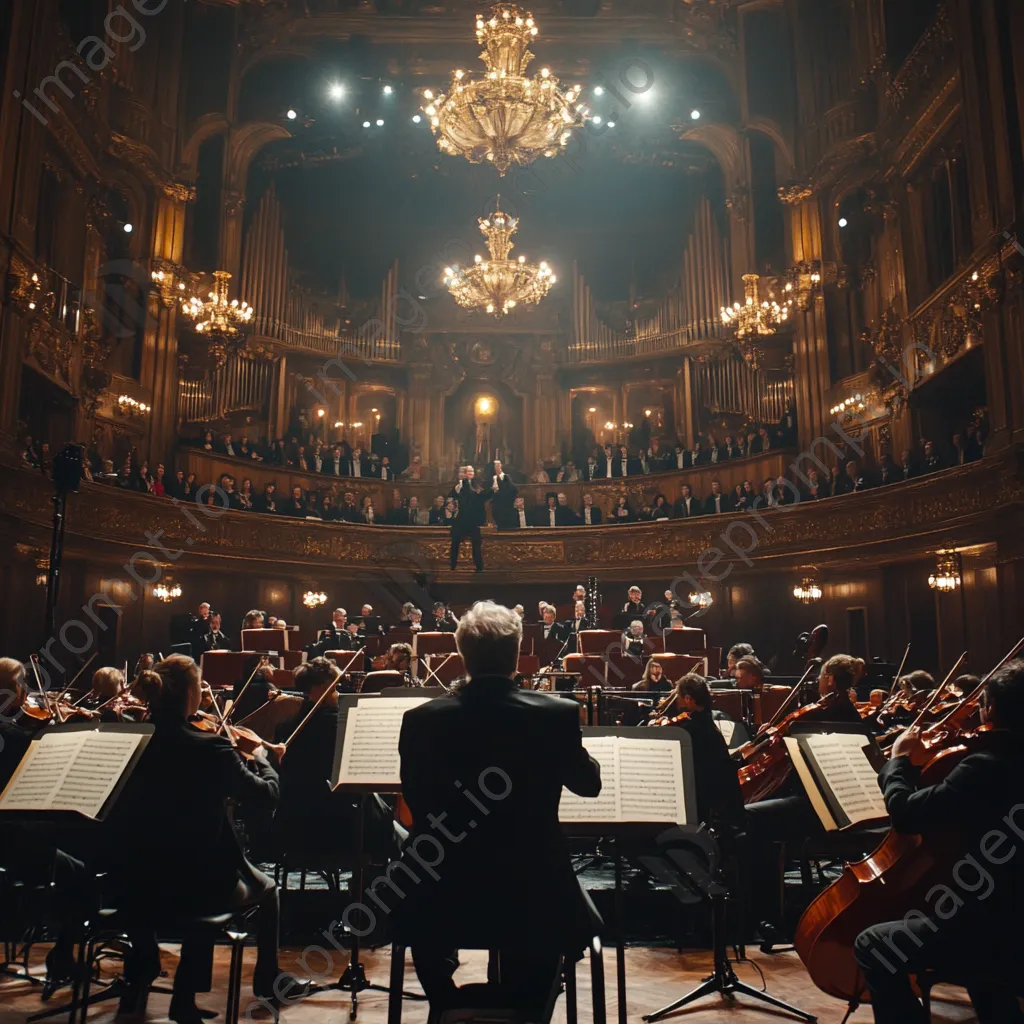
[{"x": 488, "y": 639}]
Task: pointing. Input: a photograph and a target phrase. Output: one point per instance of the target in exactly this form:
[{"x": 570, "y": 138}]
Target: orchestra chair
[
  {"x": 483, "y": 1003},
  {"x": 292, "y": 659},
  {"x": 623, "y": 670},
  {"x": 265, "y": 640},
  {"x": 376, "y": 645},
  {"x": 734, "y": 703},
  {"x": 426, "y": 644},
  {"x": 683, "y": 640},
  {"x": 283, "y": 678},
  {"x": 598, "y": 641},
  {"x": 529, "y": 665},
  {"x": 377, "y": 681},
  {"x": 678, "y": 665},
  {"x": 590, "y": 666},
  {"x": 224, "y": 668},
  {"x": 446, "y": 667},
  {"x": 654, "y": 644},
  {"x": 772, "y": 698},
  {"x": 398, "y": 635}
]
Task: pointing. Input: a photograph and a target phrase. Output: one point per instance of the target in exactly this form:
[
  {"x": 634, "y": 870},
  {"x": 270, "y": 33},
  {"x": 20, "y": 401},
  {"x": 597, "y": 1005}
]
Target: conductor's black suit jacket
[{"x": 503, "y": 875}]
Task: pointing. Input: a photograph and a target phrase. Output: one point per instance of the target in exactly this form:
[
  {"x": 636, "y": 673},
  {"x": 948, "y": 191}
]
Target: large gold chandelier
[
  {"x": 499, "y": 284},
  {"x": 218, "y": 318},
  {"x": 504, "y": 117},
  {"x": 754, "y": 316}
]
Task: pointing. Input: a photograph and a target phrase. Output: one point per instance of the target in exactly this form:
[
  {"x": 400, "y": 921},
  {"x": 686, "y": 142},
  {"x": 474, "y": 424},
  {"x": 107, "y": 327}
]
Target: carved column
[
  {"x": 232, "y": 213},
  {"x": 1004, "y": 362},
  {"x": 279, "y": 399},
  {"x": 741, "y": 232},
  {"x": 420, "y": 413}
]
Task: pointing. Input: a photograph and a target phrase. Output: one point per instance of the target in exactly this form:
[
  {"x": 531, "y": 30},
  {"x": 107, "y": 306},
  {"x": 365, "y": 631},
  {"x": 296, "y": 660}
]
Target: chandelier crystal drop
[
  {"x": 504, "y": 116},
  {"x": 755, "y": 316},
  {"x": 499, "y": 284}
]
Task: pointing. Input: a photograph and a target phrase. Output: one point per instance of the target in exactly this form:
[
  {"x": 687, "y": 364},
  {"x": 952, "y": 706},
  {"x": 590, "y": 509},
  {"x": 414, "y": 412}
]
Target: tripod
[{"x": 723, "y": 979}]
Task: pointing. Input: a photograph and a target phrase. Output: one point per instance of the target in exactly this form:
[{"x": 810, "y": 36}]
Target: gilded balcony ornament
[
  {"x": 24, "y": 285},
  {"x": 503, "y": 116}
]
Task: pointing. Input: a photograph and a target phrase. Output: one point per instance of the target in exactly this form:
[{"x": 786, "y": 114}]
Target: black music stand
[{"x": 353, "y": 979}]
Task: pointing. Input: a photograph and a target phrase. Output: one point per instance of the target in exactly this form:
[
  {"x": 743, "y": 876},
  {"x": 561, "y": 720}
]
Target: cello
[{"x": 895, "y": 877}]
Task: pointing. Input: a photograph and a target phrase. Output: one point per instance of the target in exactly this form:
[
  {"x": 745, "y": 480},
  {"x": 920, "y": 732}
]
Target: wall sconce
[
  {"x": 946, "y": 577},
  {"x": 314, "y": 599},
  {"x": 169, "y": 281},
  {"x": 803, "y": 282},
  {"x": 42, "y": 571},
  {"x": 128, "y": 406},
  {"x": 846, "y": 408},
  {"x": 167, "y": 591}
]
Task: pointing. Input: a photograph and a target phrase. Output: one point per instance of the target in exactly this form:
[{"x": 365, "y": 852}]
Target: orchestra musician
[
  {"x": 633, "y": 639},
  {"x": 16, "y": 728},
  {"x": 170, "y": 850},
  {"x": 214, "y": 639},
  {"x": 653, "y": 680},
  {"x": 579, "y": 620},
  {"x": 199, "y": 627},
  {"x": 336, "y": 636},
  {"x": 511, "y": 750},
  {"x": 634, "y": 606},
  {"x": 444, "y": 619},
  {"x": 966, "y": 931},
  {"x": 105, "y": 697},
  {"x": 715, "y": 779},
  {"x": 472, "y": 502}
]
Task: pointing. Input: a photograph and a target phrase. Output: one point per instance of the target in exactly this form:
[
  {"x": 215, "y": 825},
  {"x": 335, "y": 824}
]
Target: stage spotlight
[
  {"x": 843, "y": 222},
  {"x": 598, "y": 90},
  {"x": 380, "y": 122},
  {"x": 292, "y": 115},
  {"x": 388, "y": 90},
  {"x": 128, "y": 229},
  {"x": 336, "y": 91},
  {"x": 611, "y": 124},
  {"x": 416, "y": 118},
  {"x": 695, "y": 115},
  {"x": 366, "y": 124},
  {"x": 596, "y": 119}
]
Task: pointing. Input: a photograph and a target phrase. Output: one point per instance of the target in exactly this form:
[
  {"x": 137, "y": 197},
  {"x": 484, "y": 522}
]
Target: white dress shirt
[
  {"x": 625, "y": 466},
  {"x": 357, "y": 467},
  {"x": 522, "y": 518},
  {"x": 586, "y": 514},
  {"x": 551, "y": 517}
]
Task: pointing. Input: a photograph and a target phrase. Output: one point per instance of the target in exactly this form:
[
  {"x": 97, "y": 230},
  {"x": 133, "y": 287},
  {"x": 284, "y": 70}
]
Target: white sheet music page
[
  {"x": 95, "y": 771},
  {"x": 651, "y": 781},
  {"x": 726, "y": 727},
  {"x": 370, "y": 753},
  {"x": 846, "y": 770},
  {"x": 605, "y": 806},
  {"x": 41, "y": 772}
]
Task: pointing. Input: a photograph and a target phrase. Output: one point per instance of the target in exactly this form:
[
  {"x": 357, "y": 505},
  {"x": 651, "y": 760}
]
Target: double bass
[{"x": 894, "y": 879}]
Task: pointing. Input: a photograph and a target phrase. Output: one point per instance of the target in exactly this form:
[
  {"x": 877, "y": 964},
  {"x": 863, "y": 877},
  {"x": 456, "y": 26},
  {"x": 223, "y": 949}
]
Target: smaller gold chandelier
[
  {"x": 702, "y": 600},
  {"x": 218, "y": 316},
  {"x": 128, "y": 406},
  {"x": 807, "y": 590},
  {"x": 499, "y": 284},
  {"x": 314, "y": 599},
  {"x": 755, "y": 316},
  {"x": 167, "y": 591},
  {"x": 946, "y": 577}
]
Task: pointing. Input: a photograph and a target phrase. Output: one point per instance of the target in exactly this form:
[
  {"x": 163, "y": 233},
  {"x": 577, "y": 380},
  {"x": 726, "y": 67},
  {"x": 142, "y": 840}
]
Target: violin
[
  {"x": 242, "y": 738},
  {"x": 895, "y": 877}
]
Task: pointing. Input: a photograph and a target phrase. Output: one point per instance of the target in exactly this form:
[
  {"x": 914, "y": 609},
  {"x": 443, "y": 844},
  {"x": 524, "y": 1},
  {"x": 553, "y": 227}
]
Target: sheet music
[
  {"x": 726, "y": 726},
  {"x": 370, "y": 752},
  {"x": 605, "y": 806},
  {"x": 641, "y": 780},
  {"x": 847, "y": 771},
  {"x": 75, "y": 771}
]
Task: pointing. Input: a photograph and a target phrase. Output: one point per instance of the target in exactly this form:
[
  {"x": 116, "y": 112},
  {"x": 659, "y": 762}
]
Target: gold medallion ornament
[{"x": 503, "y": 116}]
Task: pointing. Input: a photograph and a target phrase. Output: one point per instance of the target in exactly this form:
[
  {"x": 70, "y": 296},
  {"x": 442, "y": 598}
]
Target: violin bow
[
  {"x": 323, "y": 696},
  {"x": 263, "y": 661},
  {"x": 938, "y": 690},
  {"x": 980, "y": 688},
  {"x": 437, "y": 678},
  {"x": 789, "y": 698},
  {"x": 899, "y": 671},
  {"x": 91, "y": 659},
  {"x": 47, "y": 703}
]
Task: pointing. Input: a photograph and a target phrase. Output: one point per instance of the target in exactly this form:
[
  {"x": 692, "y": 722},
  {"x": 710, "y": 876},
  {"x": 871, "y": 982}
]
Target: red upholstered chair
[
  {"x": 266, "y": 639},
  {"x": 347, "y": 661},
  {"x": 684, "y": 640},
  {"x": 735, "y": 703},
  {"x": 655, "y": 644},
  {"x": 447, "y": 668},
  {"x": 529, "y": 665},
  {"x": 377, "y": 645},
  {"x": 377, "y": 681},
  {"x": 225, "y": 668},
  {"x": 590, "y": 667},
  {"x": 598, "y": 641},
  {"x": 678, "y": 665},
  {"x": 293, "y": 659}
]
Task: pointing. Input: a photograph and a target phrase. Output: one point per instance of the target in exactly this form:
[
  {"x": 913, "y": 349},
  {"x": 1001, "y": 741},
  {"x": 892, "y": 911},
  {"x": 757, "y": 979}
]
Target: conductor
[
  {"x": 472, "y": 502},
  {"x": 482, "y": 773}
]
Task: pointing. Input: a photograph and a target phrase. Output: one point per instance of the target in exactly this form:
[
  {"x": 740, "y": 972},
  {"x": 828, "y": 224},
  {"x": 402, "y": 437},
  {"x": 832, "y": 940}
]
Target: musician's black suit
[
  {"x": 983, "y": 799},
  {"x": 503, "y": 877},
  {"x": 472, "y": 515}
]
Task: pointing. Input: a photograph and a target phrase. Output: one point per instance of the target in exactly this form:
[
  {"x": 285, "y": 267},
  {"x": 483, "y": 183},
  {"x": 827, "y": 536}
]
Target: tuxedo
[
  {"x": 347, "y": 513},
  {"x": 557, "y": 631},
  {"x": 592, "y": 471},
  {"x": 358, "y": 467},
  {"x": 560, "y": 515},
  {"x": 633, "y": 608},
  {"x": 679, "y": 460},
  {"x": 687, "y": 507},
  {"x": 333, "y": 639},
  {"x": 606, "y": 467},
  {"x": 504, "y": 493},
  {"x": 215, "y": 640},
  {"x": 518, "y": 520},
  {"x": 261, "y": 503},
  {"x": 732, "y": 452},
  {"x": 575, "y": 625},
  {"x": 385, "y": 473},
  {"x": 716, "y": 454},
  {"x": 624, "y": 466},
  {"x": 712, "y": 506},
  {"x": 436, "y": 517},
  {"x": 595, "y": 516},
  {"x": 472, "y": 515},
  {"x": 334, "y": 466}
]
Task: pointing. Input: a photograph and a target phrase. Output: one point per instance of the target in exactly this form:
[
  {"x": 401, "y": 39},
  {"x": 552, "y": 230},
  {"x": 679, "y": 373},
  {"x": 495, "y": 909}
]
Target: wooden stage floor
[{"x": 654, "y": 977}]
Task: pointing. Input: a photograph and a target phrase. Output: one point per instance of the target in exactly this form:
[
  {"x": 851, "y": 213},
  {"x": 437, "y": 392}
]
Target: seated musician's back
[{"x": 482, "y": 772}]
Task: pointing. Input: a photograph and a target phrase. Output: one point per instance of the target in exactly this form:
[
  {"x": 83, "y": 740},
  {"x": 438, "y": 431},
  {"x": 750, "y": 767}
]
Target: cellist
[{"x": 966, "y": 926}]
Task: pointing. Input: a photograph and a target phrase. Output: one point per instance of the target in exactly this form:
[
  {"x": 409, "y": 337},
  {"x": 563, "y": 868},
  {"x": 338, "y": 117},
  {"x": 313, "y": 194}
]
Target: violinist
[
  {"x": 170, "y": 850},
  {"x": 16, "y": 728},
  {"x": 912, "y": 690},
  {"x": 109, "y": 697},
  {"x": 399, "y": 659},
  {"x": 715, "y": 779},
  {"x": 653, "y": 680},
  {"x": 966, "y": 926},
  {"x": 444, "y": 619},
  {"x": 311, "y": 818},
  {"x": 736, "y": 652},
  {"x": 260, "y": 675}
]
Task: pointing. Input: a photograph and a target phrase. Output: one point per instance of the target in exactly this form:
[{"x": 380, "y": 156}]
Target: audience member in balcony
[
  {"x": 653, "y": 680},
  {"x": 716, "y": 501},
  {"x": 414, "y": 514},
  {"x": 29, "y": 454},
  {"x": 518, "y": 518},
  {"x": 108, "y": 475},
  {"x": 334, "y": 462},
  {"x": 176, "y": 487},
  {"x": 590, "y": 514},
  {"x": 565, "y": 514},
  {"x": 737, "y": 499},
  {"x": 414, "y": 471},
  {"x": 158, "y": 485},
  {"x": 295, "y": 506},
  {"x": 974, "y": 441},
  {"x": 624, "y": 465},
  {"x": 715, "y": 453},
  {"x": 143, "y": 478},
  {"x": 266, "y": 502},
  {"x": 933, "y": 460},
  {"x": 348, "y": 510},
  {"x": 358, "y": 465},
  {"x": 621, "y": 511},
  {"x": 815, "y": 486},
  {"x": 567, "y": 474},
  {"x": 126, "y": 477},
  {"x": 730, "y": 449},
  {"x": 245, "y": 495},
  {"x": 396, "y": 514},
  {"x": 367, "y": 514},
  {"x": 592, "y": 470},
  {"x": 451, "y": 513},
  {"x": 679, "y": 459},
  {"x": 383, "y": 470},
  {"x": 851, "y": 479},
  {"x": 660, "y": 508},
  {"x": 436, "y": 517},
  {"x": 208, "y": 443},
  {"x": 908, "y": 467},
  {"x": 247, "y": 450},
  {"x": 888, "y": 471},
  {"x": 769, "y": 494},
  {"x": 540, "y": 474},
  {"x": 687, "y": 506}
]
